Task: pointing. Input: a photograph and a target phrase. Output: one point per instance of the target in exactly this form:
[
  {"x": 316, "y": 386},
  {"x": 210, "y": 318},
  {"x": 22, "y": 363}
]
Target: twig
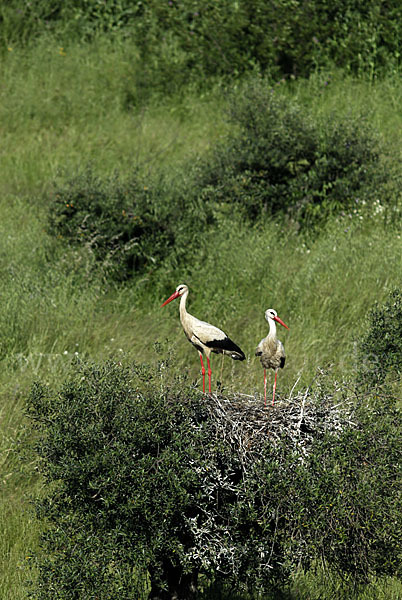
[
  {"x": 302, "y": 410},
  {"x": 294, "y": 385}
]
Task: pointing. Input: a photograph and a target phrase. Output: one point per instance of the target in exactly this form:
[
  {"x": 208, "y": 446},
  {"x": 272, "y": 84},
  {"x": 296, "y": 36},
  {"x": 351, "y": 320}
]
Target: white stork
[
  {"x": 205, "y": 337},
  {"x": 271, "y": 350}
]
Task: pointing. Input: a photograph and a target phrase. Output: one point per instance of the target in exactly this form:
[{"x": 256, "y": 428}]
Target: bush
[
  {"x": 190, "y": 39},
  {"x": 277, "y": 160},
  {"x": 149, "y": 484},
  {"x": 128, "y": 226},
  {"x": 380, "y": 349}
]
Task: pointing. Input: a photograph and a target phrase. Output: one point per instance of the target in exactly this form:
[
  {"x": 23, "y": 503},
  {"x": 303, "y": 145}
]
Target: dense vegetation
[
  {"x": 275, "y": 161},
  {"x": 380, "y": 353},
  {"x": 149, "y": 475},
  {"x": 251, "y": 150},
  {"x": 187, "y": 38}
]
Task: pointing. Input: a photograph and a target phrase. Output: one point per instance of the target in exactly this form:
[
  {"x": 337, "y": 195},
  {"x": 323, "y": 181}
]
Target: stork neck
[
  {"x": 272, "y": 328},
  {"x": 182, "y": 307}
]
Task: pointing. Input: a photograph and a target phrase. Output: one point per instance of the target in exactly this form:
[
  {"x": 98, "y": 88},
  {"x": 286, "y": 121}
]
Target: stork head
[
  {"x": 272, "y": 314},
  {"x": 180, "y": 290}
]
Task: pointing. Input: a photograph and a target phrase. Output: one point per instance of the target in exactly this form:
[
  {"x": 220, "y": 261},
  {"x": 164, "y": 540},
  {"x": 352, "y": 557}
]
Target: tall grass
[
  {"x": 62, "y": 108},
  {"x": 332, "y": 92}
]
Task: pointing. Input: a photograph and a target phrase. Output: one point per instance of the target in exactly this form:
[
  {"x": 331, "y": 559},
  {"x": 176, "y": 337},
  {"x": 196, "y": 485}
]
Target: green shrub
[
  {"x": 147, "y": 480},
  {"x": 380, "y": 350},
  {"x": 129, "y": 226},
  {"x": 276, "y": 160},
  {"x": 119, "y": 223},
  {"x": 21, "y": 22},
  {"x": 124, "y": 224},
  {"x": 192, "y": 39}
]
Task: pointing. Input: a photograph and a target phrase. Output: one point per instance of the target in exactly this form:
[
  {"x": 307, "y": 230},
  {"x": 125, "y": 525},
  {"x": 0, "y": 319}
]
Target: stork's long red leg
[
  {"x": 265, "y": 387},
  {"x": 209, "y": 374},
  {"x": 273, "y": 395},
  {"x": 203, "y": 373}
]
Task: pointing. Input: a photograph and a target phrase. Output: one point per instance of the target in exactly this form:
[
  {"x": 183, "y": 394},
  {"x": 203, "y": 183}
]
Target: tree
[{"x": 150, "y": 483}]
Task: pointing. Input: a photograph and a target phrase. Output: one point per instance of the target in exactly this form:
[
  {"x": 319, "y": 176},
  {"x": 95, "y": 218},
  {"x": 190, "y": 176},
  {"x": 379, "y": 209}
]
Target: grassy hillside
[{"x": 64, "y": 108}]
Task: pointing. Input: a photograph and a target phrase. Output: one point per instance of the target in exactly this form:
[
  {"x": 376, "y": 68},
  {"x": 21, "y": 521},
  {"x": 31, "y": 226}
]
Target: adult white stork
[
  {"x": 205, "y": 337},
  {"x": 271, "y": 350}
]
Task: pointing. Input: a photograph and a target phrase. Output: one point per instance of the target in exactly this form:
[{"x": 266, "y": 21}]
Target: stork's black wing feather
[{"x": 228, "y": 345}]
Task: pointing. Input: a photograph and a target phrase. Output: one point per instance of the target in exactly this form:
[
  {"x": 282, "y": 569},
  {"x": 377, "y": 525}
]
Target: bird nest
[{"x": 294, "y": 422}]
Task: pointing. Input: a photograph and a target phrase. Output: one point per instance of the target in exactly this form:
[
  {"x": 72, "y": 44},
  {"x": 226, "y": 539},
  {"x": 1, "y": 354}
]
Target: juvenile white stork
[
  {"x": 271, "y": 350},
  {"x": 205, "y": 337}
]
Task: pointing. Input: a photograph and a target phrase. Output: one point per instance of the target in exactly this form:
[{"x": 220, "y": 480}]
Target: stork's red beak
[
  {"x": 275, "y": 319},
  {"x": 172, "y": 297}
]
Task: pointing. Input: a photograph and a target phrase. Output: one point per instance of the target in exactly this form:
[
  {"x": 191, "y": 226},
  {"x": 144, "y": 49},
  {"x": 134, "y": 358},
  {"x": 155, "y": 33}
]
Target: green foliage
[
  {"x": 144, "y": 474},
  {"x": 276, "y": 159},
  {"x": 380, "y": 349},
  {"x": 22, "y": 21},
  {"x": 60, "y": 105},
  {"x": 345, "y": 483},
  {"x": 128, "y": 226},
  {"x": 117, "y": 222},
  {"x": 193, "y": 39}
]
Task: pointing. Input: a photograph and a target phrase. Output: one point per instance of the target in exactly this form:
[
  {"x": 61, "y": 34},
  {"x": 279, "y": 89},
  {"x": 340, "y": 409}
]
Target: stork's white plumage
[
  {"x": 271, "y": 350},
  {"x": 206, "y": 338}
]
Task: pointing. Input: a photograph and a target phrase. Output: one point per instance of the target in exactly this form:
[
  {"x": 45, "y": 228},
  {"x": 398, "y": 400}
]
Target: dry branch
[{"x": 246, "y": 423}]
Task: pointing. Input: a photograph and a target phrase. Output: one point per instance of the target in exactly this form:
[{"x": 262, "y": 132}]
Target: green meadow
[{"x": 65, "y": 107}]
